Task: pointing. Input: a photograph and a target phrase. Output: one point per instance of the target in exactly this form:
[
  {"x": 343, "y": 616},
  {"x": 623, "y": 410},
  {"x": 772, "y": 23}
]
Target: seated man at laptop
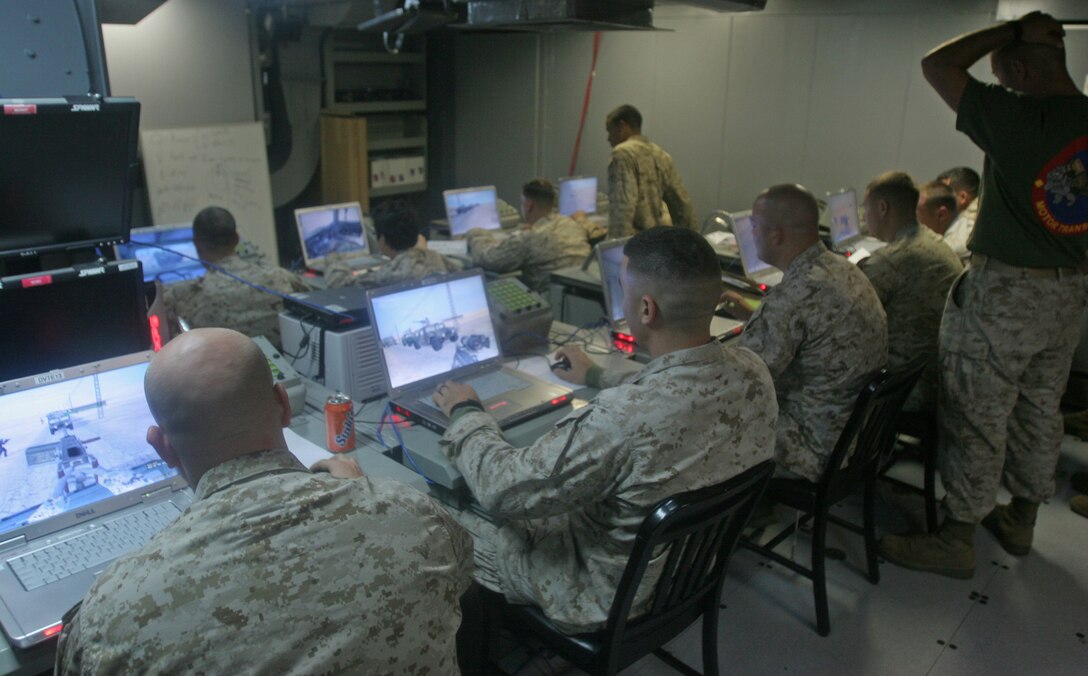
[
  {"x": 218, "y": 299},
  {"x": 821, "y": 330},
  {"x": 911, "y": 276},
  {"x": 396, "y": 226},
  {"x": 272, "y": 569},
  {"x": 571, "y": 504},
  {"x": 549, "y": 242}
]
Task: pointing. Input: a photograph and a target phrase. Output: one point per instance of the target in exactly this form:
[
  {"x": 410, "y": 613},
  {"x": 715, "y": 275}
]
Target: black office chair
[
  {"x": 700, "y": 529},
  {"x": 870, "y": 433},
  {"x": 921, "y": 428}
]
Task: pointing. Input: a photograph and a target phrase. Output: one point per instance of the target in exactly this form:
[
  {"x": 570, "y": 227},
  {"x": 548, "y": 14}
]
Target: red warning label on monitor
[
  {"x": 20, "y": 109},
  {"x": 40, "y": 280}
]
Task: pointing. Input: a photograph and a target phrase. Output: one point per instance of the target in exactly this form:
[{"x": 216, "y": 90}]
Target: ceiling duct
[{"x": 559, "y": 15}]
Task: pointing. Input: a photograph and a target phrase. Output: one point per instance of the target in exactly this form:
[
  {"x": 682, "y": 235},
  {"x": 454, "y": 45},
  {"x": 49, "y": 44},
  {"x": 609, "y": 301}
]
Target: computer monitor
[
  {"x": 842, "y": 211},
  {"x": 70, "y": 316},
  {"x": 610, "y": 259},
  {"x": 470, "y": 208},
  {"x": 332, "y": 228},
  {"x": 172, "y": 256},
  {"x": 66, "y": 173},
  {"x": 577, "y": 193},
  {"x": 746, "y": 244}
]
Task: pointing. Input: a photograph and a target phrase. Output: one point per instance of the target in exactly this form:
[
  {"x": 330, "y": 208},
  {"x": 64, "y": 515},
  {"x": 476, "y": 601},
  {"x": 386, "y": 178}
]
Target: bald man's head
[
  {"x": 792, "y": 207},
  {"x": 211, "y": 394}
]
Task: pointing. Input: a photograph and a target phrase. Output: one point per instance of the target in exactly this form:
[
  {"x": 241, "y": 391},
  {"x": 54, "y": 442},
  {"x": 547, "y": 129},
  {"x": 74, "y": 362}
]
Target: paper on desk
[
  {"x": 859, "y": 254},
  {"x": 449, "y": 247},
  {"x": 720, "y": 238},
  {"x": 539, "y": 366},
  {"x": 305, "y": 450}
]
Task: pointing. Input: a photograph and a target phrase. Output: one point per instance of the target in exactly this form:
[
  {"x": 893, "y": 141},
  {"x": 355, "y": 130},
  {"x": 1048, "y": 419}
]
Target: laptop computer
[
  {"x": 843, "y": 220},
  {"x": 469, "y": 208},
  {"x": 160, "y": 264},
  {"x": 761, "y": 274},
  {"x": 610, "y": 261},
  {"x": 79, "y": 486},
  {"x": 578, "y": 193},
  {"x": 334, "y": 228},
  {"x": 441, "y": 328}
]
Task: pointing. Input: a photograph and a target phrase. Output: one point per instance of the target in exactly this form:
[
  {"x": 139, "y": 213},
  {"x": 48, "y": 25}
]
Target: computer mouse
[{"x": 561, "y": 363}]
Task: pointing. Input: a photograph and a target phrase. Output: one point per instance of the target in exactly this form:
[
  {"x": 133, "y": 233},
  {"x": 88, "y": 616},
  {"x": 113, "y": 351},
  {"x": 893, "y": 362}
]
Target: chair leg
[
  {"x": 710, "y": 640},
  {"x": 929, "y": 465},
  {"x": 869, "y": 524},
  {"x": 819, "y": 573}
]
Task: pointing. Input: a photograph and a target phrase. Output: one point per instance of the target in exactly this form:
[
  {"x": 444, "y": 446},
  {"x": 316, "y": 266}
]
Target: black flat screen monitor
[
  {"x": 65, "y": 317},
  {"x": 66, "y": 173}
]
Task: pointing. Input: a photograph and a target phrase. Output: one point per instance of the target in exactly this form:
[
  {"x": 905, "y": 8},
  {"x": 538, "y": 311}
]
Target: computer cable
[{"x": 403, "y": 448}]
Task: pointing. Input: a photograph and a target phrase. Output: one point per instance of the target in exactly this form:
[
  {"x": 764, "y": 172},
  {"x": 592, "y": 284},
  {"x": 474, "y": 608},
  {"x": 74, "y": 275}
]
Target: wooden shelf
[
  {"x": 398, "y": 189},
  {"x": 378, "y": 107}
]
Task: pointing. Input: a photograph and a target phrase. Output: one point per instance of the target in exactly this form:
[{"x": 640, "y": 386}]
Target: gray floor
[{"x": 1016, "y": 616}]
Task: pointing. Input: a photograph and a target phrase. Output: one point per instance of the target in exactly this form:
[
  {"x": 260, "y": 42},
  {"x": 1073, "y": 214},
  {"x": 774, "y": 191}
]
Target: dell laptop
[
  {"x": 578, "y": 193},
  {"x": 441, "y": 328},
  {"x": 79, "y": 487},
  {"x": 843, "y": 221},
  {"x": 470, "y": 208},
  {"x": 334, "y": 228}
]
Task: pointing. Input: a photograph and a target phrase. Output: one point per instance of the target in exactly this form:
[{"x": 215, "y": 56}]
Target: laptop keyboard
[
  {"x": 98, "y": 545},
  {"x": 493, "y": 384}
]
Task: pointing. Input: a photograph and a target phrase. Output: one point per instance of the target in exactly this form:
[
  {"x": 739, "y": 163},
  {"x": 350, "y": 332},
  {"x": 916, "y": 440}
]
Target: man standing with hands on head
[{"x": 1012, "y": 321}]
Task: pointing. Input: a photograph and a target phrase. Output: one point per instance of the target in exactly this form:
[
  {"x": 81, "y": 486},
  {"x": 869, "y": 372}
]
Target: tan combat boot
[
  {"x": 950, "y": 551},
  {"x": 1013, "y": 525}
]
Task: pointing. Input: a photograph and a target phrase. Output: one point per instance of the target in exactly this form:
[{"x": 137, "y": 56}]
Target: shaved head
[
  {"x": 792, "y": 207},
  {"x": 212, "y": 396},
  {"x": 680, "y": 270},
  {"x": 1029, "y": 68}
]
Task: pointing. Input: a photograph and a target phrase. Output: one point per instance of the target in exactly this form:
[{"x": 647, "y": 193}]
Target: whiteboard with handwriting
[{"x": 224, "y": 165}]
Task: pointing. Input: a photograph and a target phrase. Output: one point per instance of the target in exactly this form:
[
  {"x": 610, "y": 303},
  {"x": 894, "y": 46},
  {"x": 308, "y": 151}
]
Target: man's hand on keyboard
[
  {"x": 449, "y": 393},
  {"x": 579, "y": 365},
  {"x": 341, "y": 468}
]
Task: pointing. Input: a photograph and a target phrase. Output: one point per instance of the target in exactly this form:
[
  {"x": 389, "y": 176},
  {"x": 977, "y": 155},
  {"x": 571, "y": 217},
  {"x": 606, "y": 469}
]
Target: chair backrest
[
  {"x": 870, "y": 430},
  {"x": 699, "y": 530}
]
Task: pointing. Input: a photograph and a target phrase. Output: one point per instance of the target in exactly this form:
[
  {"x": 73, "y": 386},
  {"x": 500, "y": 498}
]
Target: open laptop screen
[
  {"x": 746, "y": 243},
  {"x": 330, "y": 228},
  {"x": 163, "y": 265},
  {"x": 472, "y": 208},
  {"x": 577, "y": 193},
  {"x": 842, "y": 209},
  {"x": 73, "y": 439},
  {"x": 610, "y": 258},
  {"x": 431, "y": 329}
]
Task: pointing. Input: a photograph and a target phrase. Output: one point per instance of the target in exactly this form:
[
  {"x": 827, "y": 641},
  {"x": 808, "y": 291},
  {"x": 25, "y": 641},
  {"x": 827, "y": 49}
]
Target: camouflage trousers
[{"x": 1006, "y": 345}]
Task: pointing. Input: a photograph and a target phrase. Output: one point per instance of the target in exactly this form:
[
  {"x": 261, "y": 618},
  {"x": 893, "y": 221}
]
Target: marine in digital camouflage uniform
[
  {"x": 396, "y": 225},
  {"x": 821, "y": 330},
  {"x": 1012, "y": 321},
  {"x": 642, "y": 177},
  {"x": 272, "y": 569},
  {"x": 911, "y": 276},
  {"x": 570, "y": 504},
  {"x": 218, "y": 300},
  {"x": 550, "y": 241}
]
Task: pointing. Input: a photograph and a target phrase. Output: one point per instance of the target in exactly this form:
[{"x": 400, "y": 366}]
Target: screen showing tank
[
  {"x": 329, "y": 229},
  {"x": 72, "y": 443},
  {"x": 472, "y": 208},
  {"x": 66, "y": 174},
  {"x": 429, "y": 330},
  {"x": 59, "y": 319},
  {"x": 578, "y": 193},
  {"x": 842, "y": 212},
  {"x": 164, "y": 264}
]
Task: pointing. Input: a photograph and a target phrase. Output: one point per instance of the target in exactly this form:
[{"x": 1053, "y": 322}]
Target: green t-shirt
[{"x": 1033, "y": 208}]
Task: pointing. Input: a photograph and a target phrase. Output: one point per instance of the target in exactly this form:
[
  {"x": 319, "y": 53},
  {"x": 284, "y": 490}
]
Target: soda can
[{"x": 339, "y": 423}]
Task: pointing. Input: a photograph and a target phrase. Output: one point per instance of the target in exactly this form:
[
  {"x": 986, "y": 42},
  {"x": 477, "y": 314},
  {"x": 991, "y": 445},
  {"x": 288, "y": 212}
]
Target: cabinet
[{"x": 363, "y": 79}]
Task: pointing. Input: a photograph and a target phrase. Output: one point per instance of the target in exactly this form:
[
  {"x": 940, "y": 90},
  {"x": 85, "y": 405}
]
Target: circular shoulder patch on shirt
[{"x": 1059, "y": 196}]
